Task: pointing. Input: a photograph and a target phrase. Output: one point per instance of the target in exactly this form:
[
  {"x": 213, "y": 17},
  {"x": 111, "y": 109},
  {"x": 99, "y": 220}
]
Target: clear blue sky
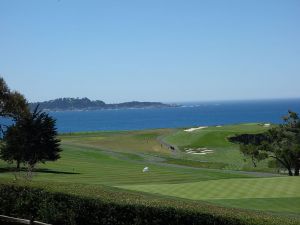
[{"x": 155, "y": 50}]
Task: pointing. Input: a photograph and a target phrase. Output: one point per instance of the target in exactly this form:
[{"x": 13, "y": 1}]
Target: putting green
[
  {"x": 275, "y": 187},
  {"x": 277, "y": 194},
  {"x": 280, "y": 205}
]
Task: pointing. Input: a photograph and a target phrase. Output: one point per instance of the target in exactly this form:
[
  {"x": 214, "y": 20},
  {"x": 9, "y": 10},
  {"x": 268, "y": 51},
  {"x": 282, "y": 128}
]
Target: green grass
[
  {"x": 126, "y": 141},
  {"x": 93, "y": 166},
  {"x": 215, "y": 138},
  {"x": 279, "y": 205},
  {"x": 116, "y": 159},
  {"x": 280, "y": 194},
  {"x": 212, "y": 136},
  {"x": 164, "y": 205},
  {"x": 197, "y": 164},
  {"x": 226, "y": 155},
  {"x": 275, "y": 187}
]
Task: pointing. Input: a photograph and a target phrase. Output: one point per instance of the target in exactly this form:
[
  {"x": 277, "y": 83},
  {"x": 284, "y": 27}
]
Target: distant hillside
[{"x": 62, "y": 104}]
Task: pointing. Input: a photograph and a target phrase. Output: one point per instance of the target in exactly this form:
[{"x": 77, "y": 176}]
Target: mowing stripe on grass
[
  {"x": 275, "y": 187},
  {"x": 280, "y": 205}
]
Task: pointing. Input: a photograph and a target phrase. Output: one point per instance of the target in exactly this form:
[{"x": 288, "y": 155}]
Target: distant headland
[{"x": 64, "y": 104}]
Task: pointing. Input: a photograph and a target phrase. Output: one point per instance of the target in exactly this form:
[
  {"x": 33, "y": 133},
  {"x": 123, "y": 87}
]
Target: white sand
[
  {"x": 267, "y": 125},
  {"x": 218, "y": 126},
  {"x": 194, "y": 128},
  {"x": 199, "y": 151}
]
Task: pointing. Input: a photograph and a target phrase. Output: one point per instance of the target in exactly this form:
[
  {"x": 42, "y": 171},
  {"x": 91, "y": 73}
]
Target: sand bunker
[
  {"x": 267, "y": 124},
  {"x": 199, "y": 151},
  {"x": 194, "y": 128}
]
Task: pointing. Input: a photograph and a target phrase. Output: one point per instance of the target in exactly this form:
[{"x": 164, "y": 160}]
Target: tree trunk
[
  {"x": 31, "y": 221},
  {"x": 290, "y": 172},
  {"x": 296, "y": 173},
  {"x": 285, "y": 164},
  {"x": 18, "y": 165},
  {"x": 253, "y": 161}
]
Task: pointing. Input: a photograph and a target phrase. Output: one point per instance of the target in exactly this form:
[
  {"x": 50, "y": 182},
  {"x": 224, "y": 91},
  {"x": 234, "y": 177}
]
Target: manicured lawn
[
  {"x": 215, "y": 138},
  {"x": 280, "y": 205},
  {"x": 116, "y": 160},
  {"x": 126, "y": 141},
  {"x": 280, "y": 194},
  {"x": 275, "y": 187},
  {"x": 226, "y": 155},
  {"x": 93, "y": 166}
]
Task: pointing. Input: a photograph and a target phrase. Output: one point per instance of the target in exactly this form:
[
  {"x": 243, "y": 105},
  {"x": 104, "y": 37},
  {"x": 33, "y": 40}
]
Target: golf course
[
  {"x": 150, "y": 112},
  {"x": 199, "y": 166}
]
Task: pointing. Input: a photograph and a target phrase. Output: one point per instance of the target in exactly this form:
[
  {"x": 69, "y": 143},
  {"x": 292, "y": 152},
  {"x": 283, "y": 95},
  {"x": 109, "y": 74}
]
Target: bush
[{"x": 66, "y": 209}]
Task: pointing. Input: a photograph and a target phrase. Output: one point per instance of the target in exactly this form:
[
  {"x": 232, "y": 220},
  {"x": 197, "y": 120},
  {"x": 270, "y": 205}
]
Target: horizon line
[{"x": 185, "y": 101}]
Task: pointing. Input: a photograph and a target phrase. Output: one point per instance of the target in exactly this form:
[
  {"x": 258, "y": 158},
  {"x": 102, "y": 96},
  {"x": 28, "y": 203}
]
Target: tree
[
  {"x": 32, "y": 139},
  {"x": 252, "y": 152},
  {"x": 281, "y": 143},
  {"x": 12, "y": 103},
  {"x": 11, "y": 149}
]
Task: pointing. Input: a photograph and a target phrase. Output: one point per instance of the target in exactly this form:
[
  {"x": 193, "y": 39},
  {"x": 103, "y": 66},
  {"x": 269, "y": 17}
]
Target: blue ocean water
[{"x": 189, "y": 115}]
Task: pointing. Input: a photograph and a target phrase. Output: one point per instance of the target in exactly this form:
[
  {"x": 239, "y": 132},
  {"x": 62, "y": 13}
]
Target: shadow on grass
[{"x": 9, "y": 169}]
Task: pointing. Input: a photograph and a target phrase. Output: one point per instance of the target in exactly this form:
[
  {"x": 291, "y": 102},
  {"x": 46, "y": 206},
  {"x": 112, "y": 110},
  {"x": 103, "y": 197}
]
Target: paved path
[{"x": 172, "y": 148}]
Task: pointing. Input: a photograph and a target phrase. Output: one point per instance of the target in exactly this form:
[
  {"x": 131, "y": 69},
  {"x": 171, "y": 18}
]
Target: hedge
[{"x": 66, "y": 209}]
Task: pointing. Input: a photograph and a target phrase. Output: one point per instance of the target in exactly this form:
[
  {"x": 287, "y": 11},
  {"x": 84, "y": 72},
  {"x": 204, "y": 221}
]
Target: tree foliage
[
  {"x": 12, "y": 103},
  {"x": 281, "y": 143},
  {"x": 32, "y": 139}
]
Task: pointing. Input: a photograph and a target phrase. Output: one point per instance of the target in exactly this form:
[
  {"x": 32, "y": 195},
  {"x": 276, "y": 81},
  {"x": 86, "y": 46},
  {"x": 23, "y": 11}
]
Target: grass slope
[
  {"x": 126, "y": 141},
  {"x": 116, "y": 159},
  {"x": 279, "y": 205},
  {"x": 161, "y": 204},
  {"x": 280, "y": 194},
  {"x": 92, "y": 166},
  {"x": 274, "y": 187},
  {"x": 226, "y": 154}
]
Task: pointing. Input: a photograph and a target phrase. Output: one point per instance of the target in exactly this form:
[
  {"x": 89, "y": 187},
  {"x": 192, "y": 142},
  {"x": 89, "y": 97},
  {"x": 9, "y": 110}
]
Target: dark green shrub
[{"x": 65, "y": 209}]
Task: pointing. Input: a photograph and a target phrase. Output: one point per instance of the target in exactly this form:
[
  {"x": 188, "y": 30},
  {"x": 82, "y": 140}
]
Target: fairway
[
  {"x": 117, "y": 159},
  {"x": 122, "y": 141},
  {"x": 224, "y": 154},
  {"x": 93, "y": 166}
]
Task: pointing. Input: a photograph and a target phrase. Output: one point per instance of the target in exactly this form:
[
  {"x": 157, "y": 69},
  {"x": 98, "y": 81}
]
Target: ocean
[{"x": 188, "y": 115}]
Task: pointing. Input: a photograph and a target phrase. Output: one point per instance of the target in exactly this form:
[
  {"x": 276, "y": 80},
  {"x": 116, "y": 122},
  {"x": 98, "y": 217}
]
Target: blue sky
[{"x": 154, "y": 50}]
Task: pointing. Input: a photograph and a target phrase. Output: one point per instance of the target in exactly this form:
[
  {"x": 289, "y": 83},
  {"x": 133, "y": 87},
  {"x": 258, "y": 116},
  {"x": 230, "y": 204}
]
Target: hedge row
[
  {"x": 66, "y": 209},
  {"x": 3, "y": 222}
]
